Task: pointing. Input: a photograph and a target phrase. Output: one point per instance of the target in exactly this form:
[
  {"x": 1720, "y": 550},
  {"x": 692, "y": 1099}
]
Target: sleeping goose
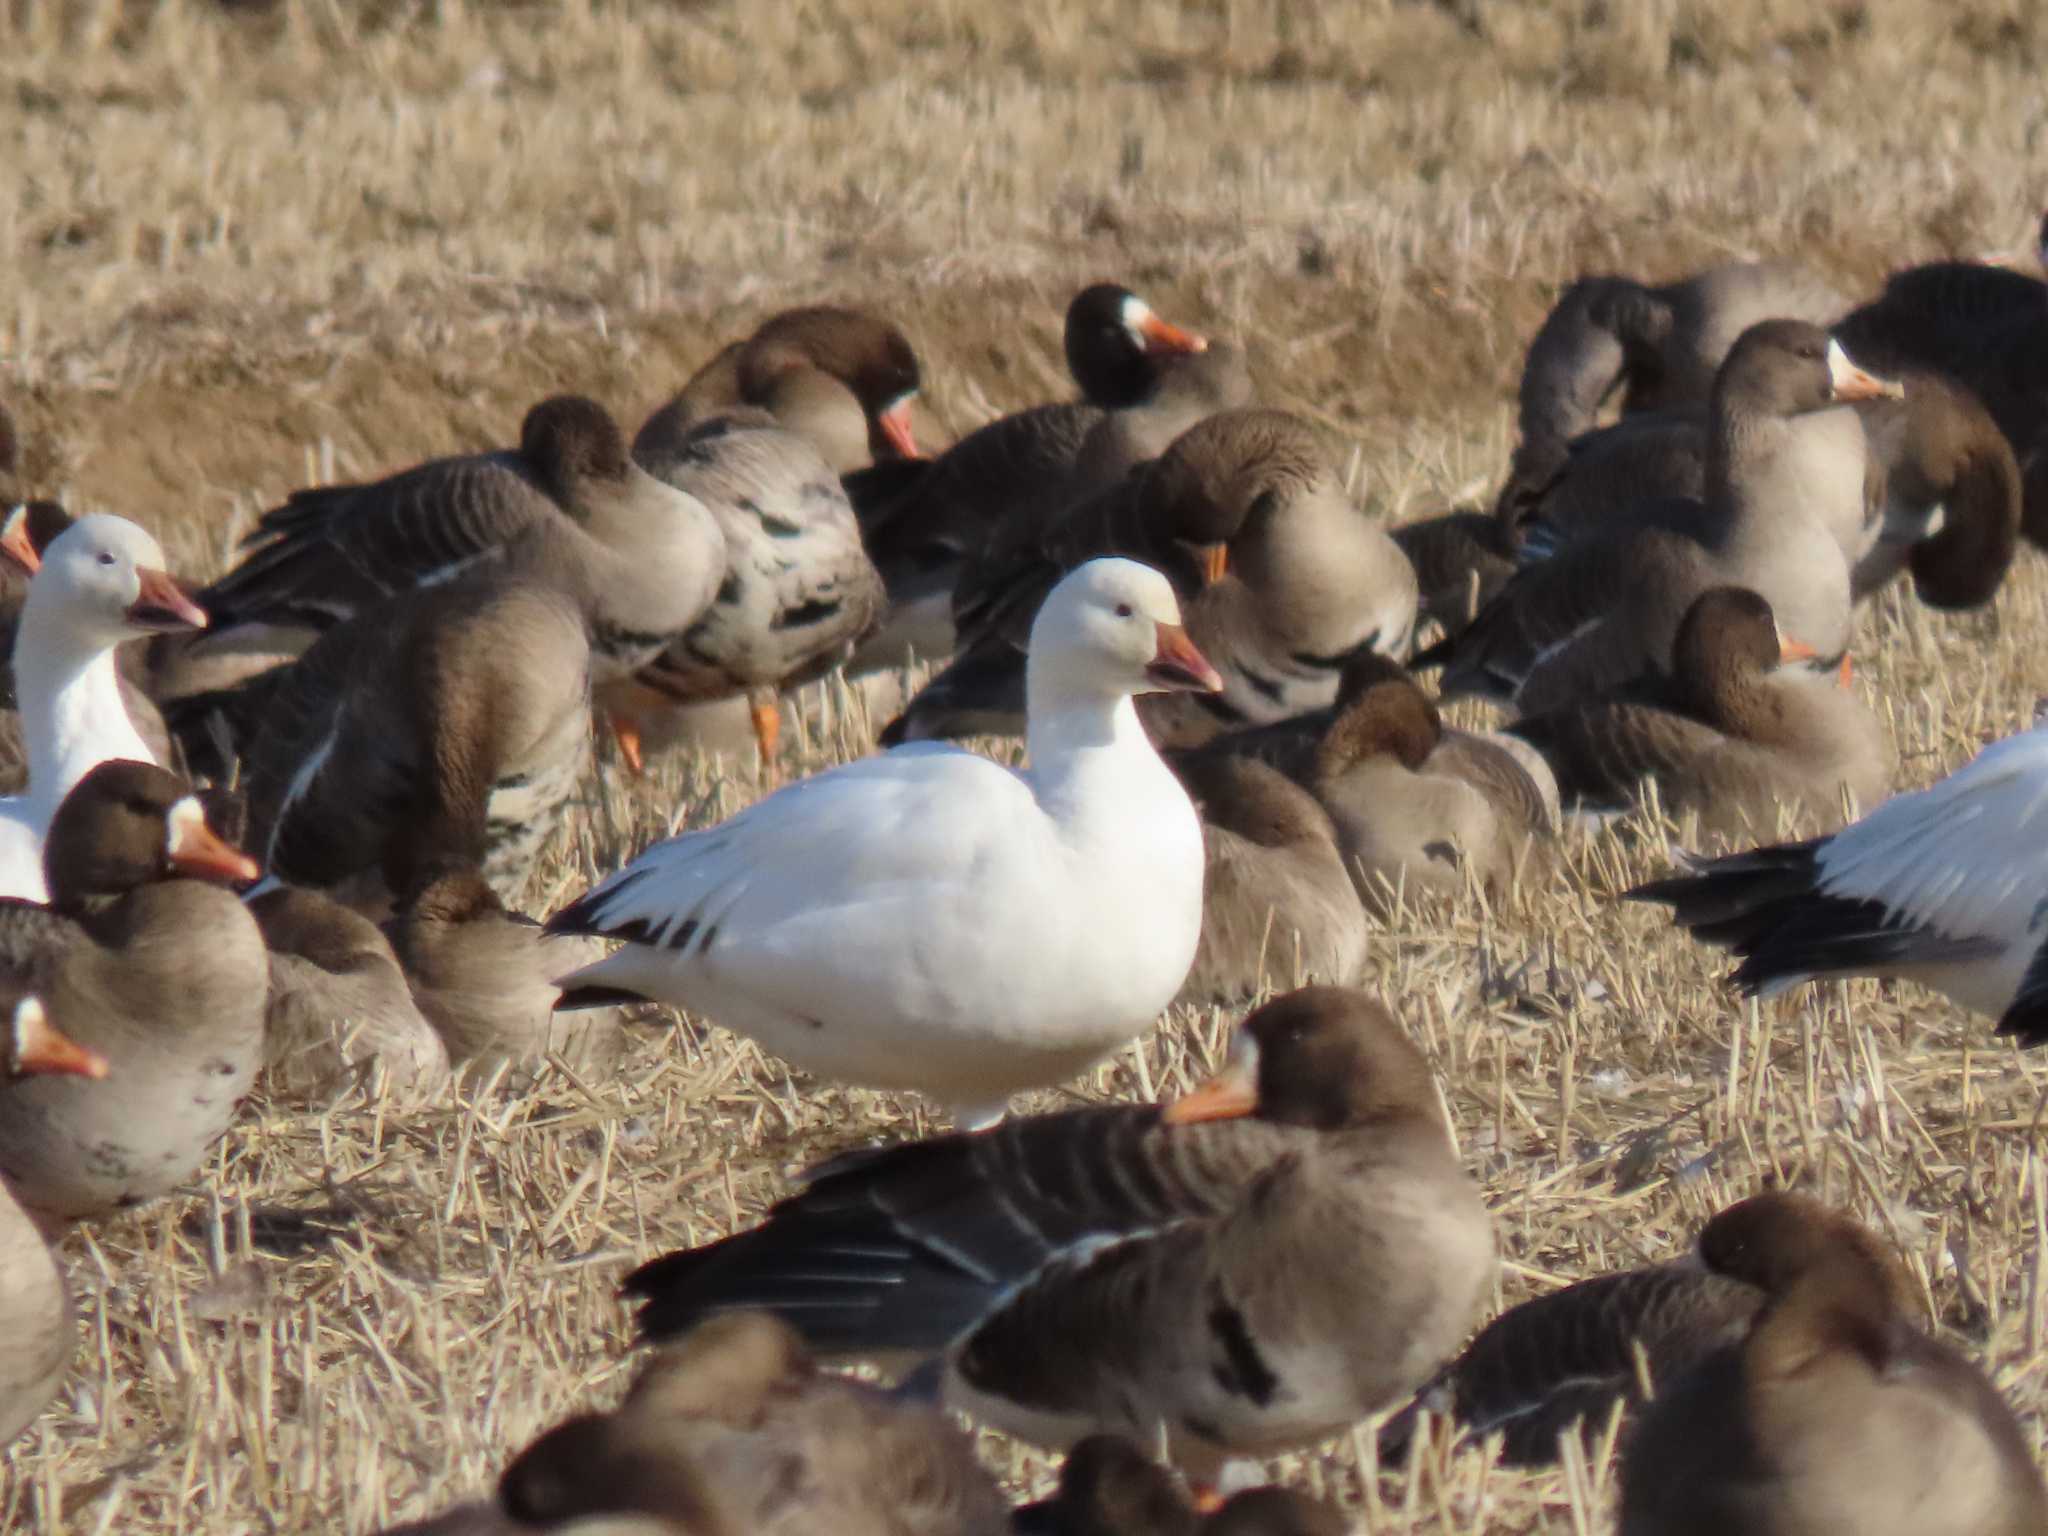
[
  {"x": 1108, "y": 1487},
  {"x": 923, "y": 521},
  {"x": 1738, "y": 731},
  {"x": 1604, "y": 610},
  {"x": 930, "y": 919},
  {"x": 100, "y": 582},
  {"x": 1940, "y": 886},
  {"x": 799, "y": 590},
  {"x": 1247, "y": 1269},
  {"x": 1284, "y": 578},
  {"x": 639, "y": 559},
  {"x": 164, "y": 976},
  {"x": 35, "y": 1308},
  {"x": 843, "y": 378},
  {"x": 1833, "y": 1413},
  {"x": 732, "y": 1428}
]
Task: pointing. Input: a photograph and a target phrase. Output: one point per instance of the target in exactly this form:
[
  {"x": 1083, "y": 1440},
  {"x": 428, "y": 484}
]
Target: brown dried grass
[{"x": 246, "y": 248}]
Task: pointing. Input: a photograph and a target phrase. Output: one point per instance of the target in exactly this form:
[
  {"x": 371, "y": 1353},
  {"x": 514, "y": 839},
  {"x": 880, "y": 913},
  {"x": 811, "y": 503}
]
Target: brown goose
[
  {"x": 1662, "y": 345},
  {"x": 639, "y": 559},
  {"x": 339, "y": 1005},
  {"x": 1277, "y": 905},
  {"x": 35, "y": 1308},
  {"x": 484, "y": 976},
  {"x": 798, "y": 593},
  {"x": 445, "y": 727},
  {"x": 1143, "y": 381},
  {"x": 1738, "y": 731},
  {"x": 1835, "y": 1412},
  {"x": 843, "y": 378},
  {"x": 1251, "y": 1267},
  {"x": 1284, "y": 580},
  {"x": 1604, "y": 610},
  {"x": 163, "y": 976},
  {"x": 1108, "y": 1487},
  {"x": 733, "y": 1428}
]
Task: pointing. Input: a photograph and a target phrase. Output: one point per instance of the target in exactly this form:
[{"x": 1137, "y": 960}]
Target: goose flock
[{"x": 279, "y": 827}]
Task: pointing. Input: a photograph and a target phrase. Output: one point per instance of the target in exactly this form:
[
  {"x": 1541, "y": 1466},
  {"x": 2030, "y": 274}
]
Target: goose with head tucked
[
  {"x": 1108, "y": 1487},
  {"x": 145, "y": 959},
  {"x": 930, "y": 919},
  {"x": 1834, "y": 1412},
  {"x": 1249, "y": 1268},
  {"x": 100, "y": 582}
]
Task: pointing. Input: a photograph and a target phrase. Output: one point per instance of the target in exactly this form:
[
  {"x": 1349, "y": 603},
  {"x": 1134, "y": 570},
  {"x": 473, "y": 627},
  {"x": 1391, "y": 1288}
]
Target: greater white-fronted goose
[
  {"x": 843, "y": 378},
  {"x": 1249, "y": 1268},
  {"x": 442, "y": 727},
  {"x": 950, "y": 925},
  {"x": 1661, "y": 345},
  {"x": 340, "y": 1009},
  {"x": 1940, "y": 886},
  {"x": 641, "y": 560},
  {"x": 922, "y": 523},
  {"x": 35, "y": 1307},
  {"x": 733, "y": 1428},
  {"x": 1739, "y": 732},
  {"x": 484, "y": 976},
  {"x": 1835, "y": 1413},
  {"x": 1277, "y": 905},
  {"x": 1604, "y": 610},
  {"x": 164, "y": 977},
  {"x": 99, "y": 583},
  {"x": 799, "y": 590},
  {"x": 1283, "y": 577},
  {"x": 1108, "y": 1487}
]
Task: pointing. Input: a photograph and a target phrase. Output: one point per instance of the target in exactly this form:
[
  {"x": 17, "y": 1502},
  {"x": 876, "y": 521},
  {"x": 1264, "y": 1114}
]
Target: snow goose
[
  {"x": 798, "y": 592},
  {"x": 1835, "y": 1412},
  {"x": 1285, "y": 579},
  {"x": 1108, "y": 1487},
  {"x": 1940, "y": 886},
  {"x": 164, "y": 976},
  {"x": 930, "y": 919},
  {"x": 733, "y": 1428},
  {"x": 843, "y": 378},
  {"x": 1247, "y": 1269},
  {"x": 923, "y": 521},
  {"x": 1739, "y": 732},
  {"x": 640, "y": 559},
  {"x": 1603, "y": 610},
  {"x": 100, "y": 582},
  {"x": 35, "y": 1309}
]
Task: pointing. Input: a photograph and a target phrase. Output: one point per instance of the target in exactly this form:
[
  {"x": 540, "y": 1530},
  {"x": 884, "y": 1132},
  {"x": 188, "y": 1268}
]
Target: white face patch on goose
[
  {"x": 26, "y": 1020},
  {"x": 186, "y": 819},
  {"x": 1137, "y": 315}
]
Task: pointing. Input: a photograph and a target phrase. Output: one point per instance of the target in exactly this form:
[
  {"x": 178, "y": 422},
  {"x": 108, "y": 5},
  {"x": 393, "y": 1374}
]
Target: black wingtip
[
  {"x": 895, "y": 733},
  {"x": 576, "y": 998}
]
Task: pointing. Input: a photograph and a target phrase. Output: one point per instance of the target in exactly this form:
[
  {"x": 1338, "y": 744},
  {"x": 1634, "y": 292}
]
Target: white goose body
[{"x": 930, "y": 919}]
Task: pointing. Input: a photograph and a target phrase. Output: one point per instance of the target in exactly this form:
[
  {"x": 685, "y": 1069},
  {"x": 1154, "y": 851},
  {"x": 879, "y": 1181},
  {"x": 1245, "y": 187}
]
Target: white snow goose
[
  {"x": 100, "y": 582},
  {"x": 930, "y": 919},
  {"x": 1943, "y": 886}
]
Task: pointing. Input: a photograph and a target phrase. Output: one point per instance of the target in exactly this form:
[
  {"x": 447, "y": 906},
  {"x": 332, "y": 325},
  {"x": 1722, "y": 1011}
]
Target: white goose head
[
  {"x": 103, "y": 581},
  {"x": 1112, "y": 628}
]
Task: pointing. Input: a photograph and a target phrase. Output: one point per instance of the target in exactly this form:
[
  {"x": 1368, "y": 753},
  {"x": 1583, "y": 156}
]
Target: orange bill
[
  {"x": 40, "y": 1047},
  {"x": 15, "y": 543},
  {"x": 1178, "y": 667},
  {"x": 1796, "y": 650},
  {"x": 1215, "y": 564},
  {"x": 1231, "y": 1094},
  {"x": 896, "y": 430},
  {"x": 1163, "y": 336},
  {"x": 1852, "y": 383},
  {"x": 162, "y": 603},
  {"x": 196, "y": 850}
]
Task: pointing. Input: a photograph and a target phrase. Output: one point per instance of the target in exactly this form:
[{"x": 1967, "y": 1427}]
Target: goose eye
[
  {"x": 106, "y": 557},
  {"x": 1123, "y": 610}
]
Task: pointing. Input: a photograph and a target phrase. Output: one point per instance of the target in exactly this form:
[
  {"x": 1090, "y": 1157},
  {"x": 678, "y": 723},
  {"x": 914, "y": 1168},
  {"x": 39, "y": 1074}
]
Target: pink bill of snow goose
[{"x": 930, "y": 919}]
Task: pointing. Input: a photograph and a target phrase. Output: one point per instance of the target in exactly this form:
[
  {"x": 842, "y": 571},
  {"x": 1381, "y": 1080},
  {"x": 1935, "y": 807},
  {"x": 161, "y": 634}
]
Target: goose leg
[
  {"x": 626, "y": 735},
  {"x": 766, "y": 708}
]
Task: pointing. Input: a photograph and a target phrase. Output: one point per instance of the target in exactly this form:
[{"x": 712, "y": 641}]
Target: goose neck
[{"x": 72, "y": 712}]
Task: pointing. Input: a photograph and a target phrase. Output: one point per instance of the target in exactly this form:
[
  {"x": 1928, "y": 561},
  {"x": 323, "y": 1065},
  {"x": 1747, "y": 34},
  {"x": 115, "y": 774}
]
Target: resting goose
[
  {"x": 640, "y": 560},
  {"x": 1284, "y": 578},
  {"x": 923, "y": 522},
  {"x": 1740, "y": 730},
  {"x": 1604, "y": 610},
  {"x": 164, "y": 976},
  {"x": 1108, "y": 1487},
  {"x": 1834, "y": 1413},
  {"x": 799, "y": 590},
  {"x": 843, "y": 378},
  {"x": 339, "y": 1007},
  {"x": 930, "y": 919},
  {"x": 1277, "y": 905},
  {"x": 100, "y": 582},
  {"x": 484, "y": 976},
  {"x": 1940, "y": 886},
  {"x": 1246, "y": 1270},
  {"x": 733, "y": 1428},
  {"x": 35, "y": 1308}
]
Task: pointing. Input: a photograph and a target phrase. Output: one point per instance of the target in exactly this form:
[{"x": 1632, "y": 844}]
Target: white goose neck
[
  {"x": 1077, "y": 735},
  {"x": 72, "y": 714}
]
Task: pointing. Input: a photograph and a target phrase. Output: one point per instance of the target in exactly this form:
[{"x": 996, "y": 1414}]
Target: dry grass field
[{"x": 244, "y": 246}]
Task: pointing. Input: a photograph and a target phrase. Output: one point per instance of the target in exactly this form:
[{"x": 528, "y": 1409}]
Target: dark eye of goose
[
  {"x": 1123, "y": 610},
  {"x": 106, "y": 557}
]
